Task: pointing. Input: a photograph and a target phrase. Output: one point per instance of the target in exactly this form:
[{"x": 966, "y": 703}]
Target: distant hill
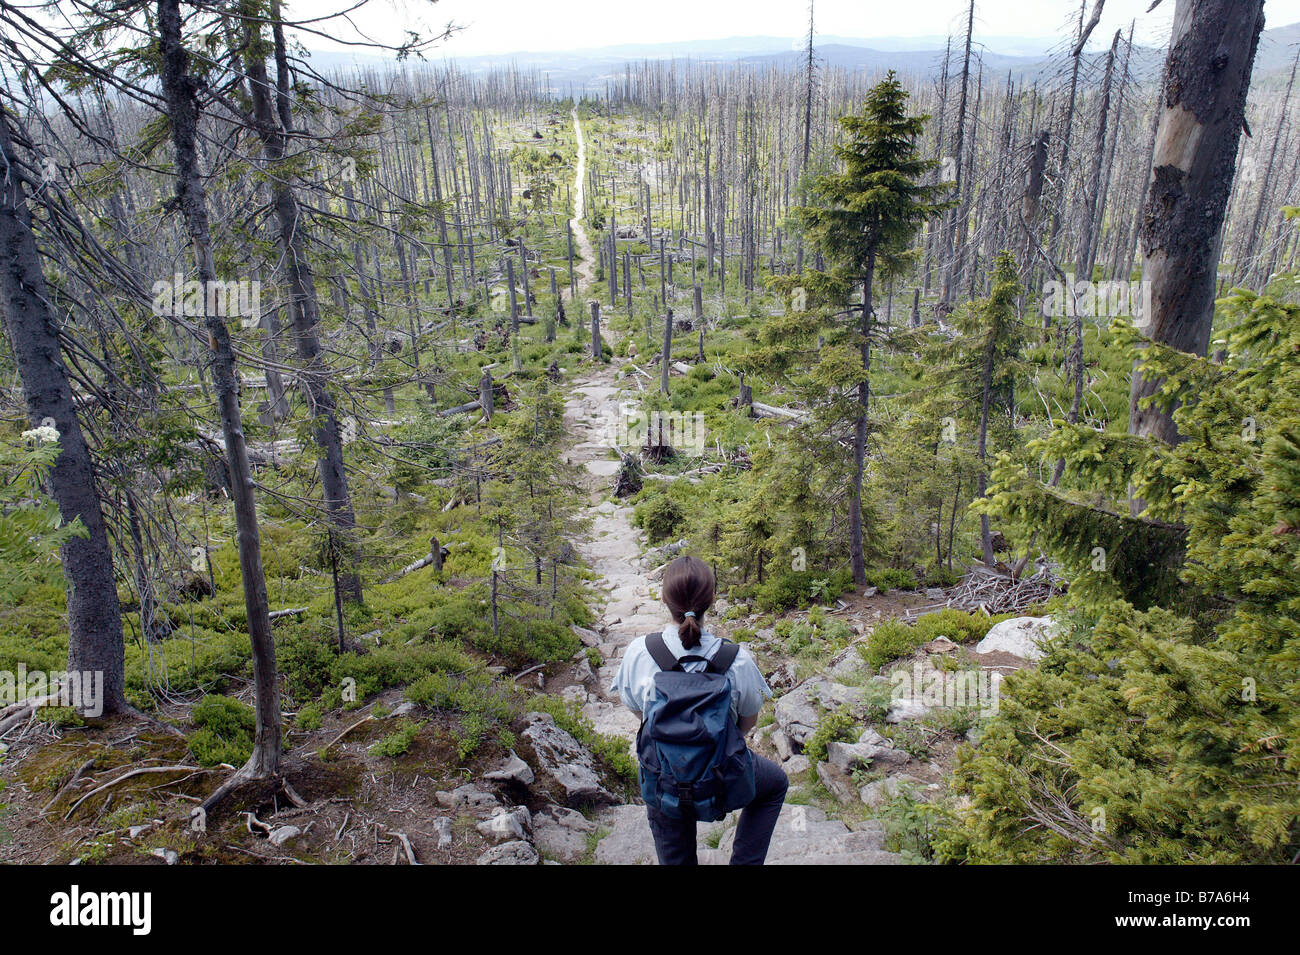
[{"x": 1025, "y": 58}]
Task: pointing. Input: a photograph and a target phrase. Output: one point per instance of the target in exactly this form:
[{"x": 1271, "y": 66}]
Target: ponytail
[{"x": 688, "y": 592}]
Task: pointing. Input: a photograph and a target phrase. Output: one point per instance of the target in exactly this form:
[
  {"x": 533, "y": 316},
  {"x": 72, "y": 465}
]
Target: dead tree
[
  {"x": 1207, "y": 76},
  {"x": 95, "y": 642}
]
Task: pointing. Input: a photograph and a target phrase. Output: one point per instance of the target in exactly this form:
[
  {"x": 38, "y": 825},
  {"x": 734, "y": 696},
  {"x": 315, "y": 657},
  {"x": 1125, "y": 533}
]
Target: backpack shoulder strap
[
  {"x": 659, "y": 652},
  {"x": 725, "y": 657}
]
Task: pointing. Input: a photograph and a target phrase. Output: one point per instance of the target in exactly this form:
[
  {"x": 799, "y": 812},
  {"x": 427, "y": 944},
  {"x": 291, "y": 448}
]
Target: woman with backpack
[{"x": 697, "y": 695}]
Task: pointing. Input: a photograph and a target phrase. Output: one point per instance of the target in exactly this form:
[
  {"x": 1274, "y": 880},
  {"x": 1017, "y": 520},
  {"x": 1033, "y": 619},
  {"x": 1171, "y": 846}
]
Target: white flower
[{"x": 43, "y": 433}]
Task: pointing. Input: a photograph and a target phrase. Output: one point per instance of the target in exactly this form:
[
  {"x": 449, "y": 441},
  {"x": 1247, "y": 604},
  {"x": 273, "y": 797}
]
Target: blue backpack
[{"x": 694, "y": 762}]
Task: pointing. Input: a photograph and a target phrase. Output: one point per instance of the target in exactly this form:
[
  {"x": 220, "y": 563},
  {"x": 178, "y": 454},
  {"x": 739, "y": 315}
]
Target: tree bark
[
  {"x": 306, "y": 313},
  {"x": 1207, "y": 76},
  {"x": 95, "y": 642},
  {"x": 180, "y": 88}
]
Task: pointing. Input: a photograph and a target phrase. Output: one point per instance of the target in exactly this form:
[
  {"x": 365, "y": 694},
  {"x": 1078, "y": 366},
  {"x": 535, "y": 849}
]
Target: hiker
[{"x": 697, "y": 696}]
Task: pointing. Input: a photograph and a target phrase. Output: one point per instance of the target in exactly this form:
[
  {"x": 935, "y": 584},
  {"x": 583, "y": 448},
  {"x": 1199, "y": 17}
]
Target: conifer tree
[{"x": 859, "y": 216}]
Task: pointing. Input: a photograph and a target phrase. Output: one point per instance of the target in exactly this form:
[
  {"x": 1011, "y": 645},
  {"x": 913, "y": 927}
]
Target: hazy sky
[{"x": 506, "y": 26}]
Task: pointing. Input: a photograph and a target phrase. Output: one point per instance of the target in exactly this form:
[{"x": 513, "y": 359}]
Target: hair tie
[{"x": 689, "y": 613}]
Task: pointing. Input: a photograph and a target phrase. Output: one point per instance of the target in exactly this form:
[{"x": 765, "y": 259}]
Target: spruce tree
[{"x": 860, "y": 216}]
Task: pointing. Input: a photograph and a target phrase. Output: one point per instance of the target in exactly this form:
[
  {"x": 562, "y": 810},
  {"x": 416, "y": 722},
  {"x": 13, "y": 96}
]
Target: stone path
[{"x": 614, "y": 550}]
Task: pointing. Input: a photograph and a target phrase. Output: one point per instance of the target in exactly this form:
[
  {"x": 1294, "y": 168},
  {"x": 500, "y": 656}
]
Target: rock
[
  {"x": 906, "y": 709},
  {"x": 845, "y": 756},
  {"x": 442, "y": 826},
  {"x": 873, "y": 738},
  {"x": 783, "y": 677},
  {"x": 629, "y": 841},
  {"x": 582, "y": 671},
  {"x": 799, "y": 711},
  {"x": 282, "y": 834},
  {"x": 781, "y": 743},
  {"x": 935, "y": 593},
  {"x": 564, "y": 760},
  {"x": 575, "y": 694},
  {"x": 513, "y": 770},
  {"x": 876, "y": 794},
  {"x": 974, "y": 735},
  {"x": 796, "y": 764},
  {"x": 135, "y": 832},
  {"x": 506, "y": 825},
  {"x": 870, "y": 591},
  {"x": 612, "y": 719},
  {"x": 510, "y": 853},
  {"x": 836, "y": 782},
  {"x": 167, "y": 855},
  {"x": 589, "y": 638},
  {"x": 469, "y": 797},
  {"x": 1020, "y": 636},
  {"x": 796, "y": 712},
  {"x": 405, "y": 708},
  {"x": 847, "y": 662},
  {"x": 562, "y": 833},
  {"x": 804, "y": 836},
  {"x": 940, "y": 645}
]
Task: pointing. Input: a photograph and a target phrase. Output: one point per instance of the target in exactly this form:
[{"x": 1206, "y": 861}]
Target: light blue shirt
[{"x": 635, "y": 682}]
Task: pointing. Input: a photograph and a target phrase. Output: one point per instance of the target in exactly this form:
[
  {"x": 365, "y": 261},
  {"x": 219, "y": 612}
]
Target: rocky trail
[
  {"x": 627, "y": 571},
  {"x": 615, "y": 550}
]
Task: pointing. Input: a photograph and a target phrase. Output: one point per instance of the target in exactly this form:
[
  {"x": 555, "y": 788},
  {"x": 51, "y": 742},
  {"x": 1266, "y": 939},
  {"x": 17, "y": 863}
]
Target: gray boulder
[
  {"x": 513, "y": 770},
  {"x": 837, "y": 782},
  {"x": 510, "y": 853},
  {"x": 506, "y": 825},
  {"x": 562, "y": 833},
  {"x": 564, "y": 760},
  {"x": 468, "y": 797},
  {"x": 846, "y": 756},
  {"x": 905, "y": 708},
  {"x": 1020, "y": 636}
]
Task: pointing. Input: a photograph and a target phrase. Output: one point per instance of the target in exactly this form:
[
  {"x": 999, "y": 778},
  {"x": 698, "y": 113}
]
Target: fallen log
[
  {"x": 460, "y": 409},
  {"x": 772, "y": 411},
  {"x": 290, "y": 612}
]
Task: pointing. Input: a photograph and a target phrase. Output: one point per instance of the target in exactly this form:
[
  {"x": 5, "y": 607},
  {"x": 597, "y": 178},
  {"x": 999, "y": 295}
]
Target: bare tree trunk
[
  {"x": 95, "y": 642},
  {"x": 179, "y": 88},
  {"x": 306, "y": 313},
  {"x": 1207, "y": 76}
]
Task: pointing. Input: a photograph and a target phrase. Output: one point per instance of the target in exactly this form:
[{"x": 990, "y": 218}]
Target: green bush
[
  {"x": 310, "y": 717},
  {"x": 225, "y": 731},
  {"x": 834, "y": 727},
  {"x": 661, "y": 517},
  {"x": 800, "y": 588},
  {"x": 889, "y": 640},
  {"x": 398, "y": 742},
  {"x": 886, "y": 579}
]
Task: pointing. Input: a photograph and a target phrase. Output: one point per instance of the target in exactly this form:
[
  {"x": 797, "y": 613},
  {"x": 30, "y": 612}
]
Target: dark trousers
[{"x": 675, "y": 838}]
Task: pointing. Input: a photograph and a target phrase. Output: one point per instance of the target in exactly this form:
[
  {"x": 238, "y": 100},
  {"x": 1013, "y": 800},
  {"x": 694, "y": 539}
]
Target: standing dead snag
[
  {"x": 305, "y": 308},
  {"x": 1207, "y": 76},
  {"x": 179, "y": 88},
  {"x": 665, "y": 360},
  {"x": 95, "y": 641}
]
